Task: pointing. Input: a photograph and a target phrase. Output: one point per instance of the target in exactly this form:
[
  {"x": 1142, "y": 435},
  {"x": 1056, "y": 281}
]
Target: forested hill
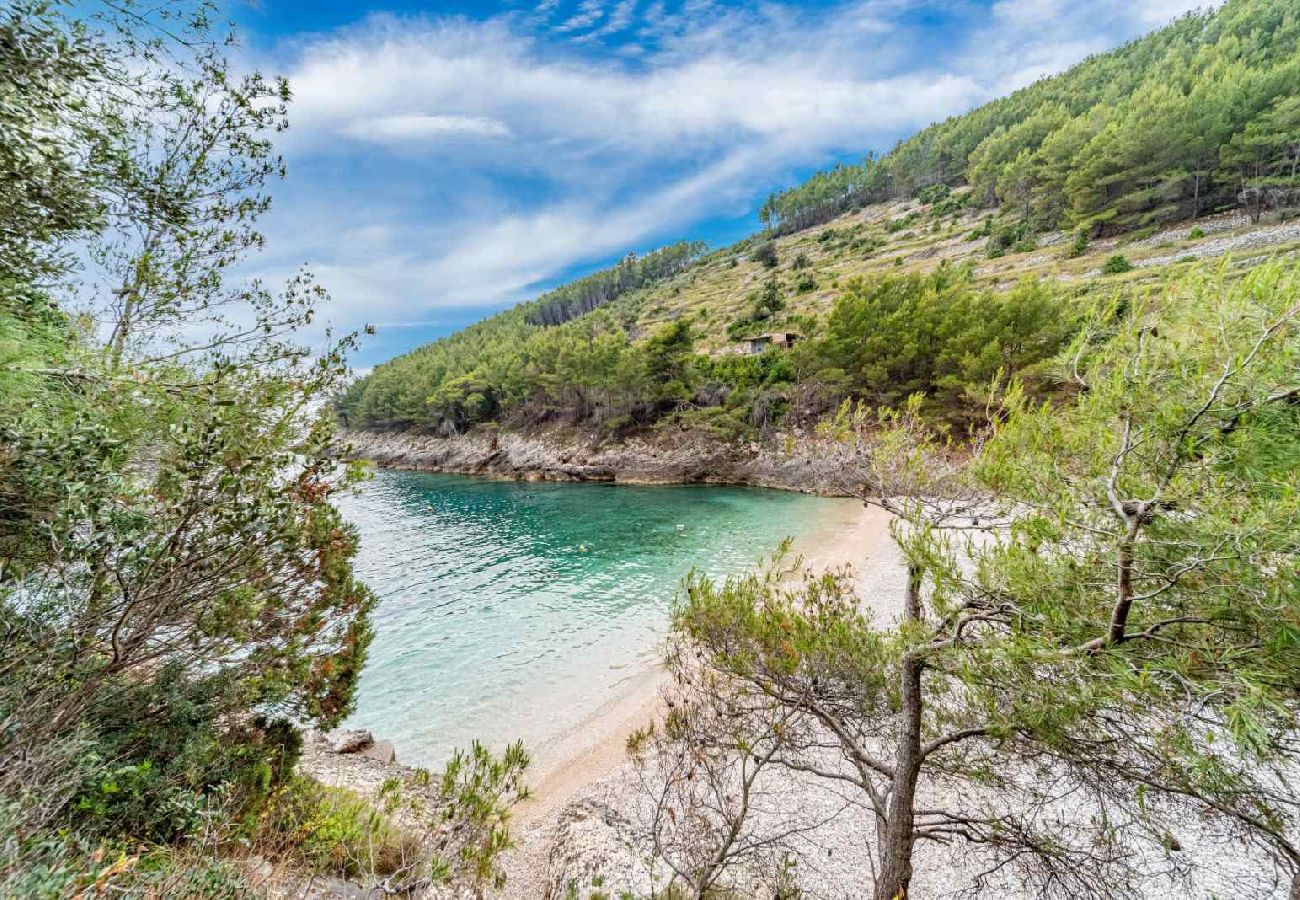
[
  {"x": 1200, "y": 115},
  {"x": 1186, "y": 125}
]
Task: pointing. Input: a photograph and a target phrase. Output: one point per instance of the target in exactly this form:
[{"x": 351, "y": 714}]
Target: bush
[
  {"x": 895, "y": 336},
  {"x": 805, "y": 284},
  {"x": 800, "y": 261},
  {"x": 934, "y": 193},
  {"x": 1079, "y": 245},
  {"x": 1117, "y": 265},
  {"x": 1196, "y": 234},
  {"x": 765, "y": 254},
  {"x": 1009, "y": 237},
  {"x": 333, "y": 830},
  {"x": 893, "y": 226}
]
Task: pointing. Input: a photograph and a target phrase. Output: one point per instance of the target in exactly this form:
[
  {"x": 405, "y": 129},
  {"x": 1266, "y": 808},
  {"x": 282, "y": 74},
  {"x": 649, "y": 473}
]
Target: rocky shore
[{"x": 786, "y": 462}]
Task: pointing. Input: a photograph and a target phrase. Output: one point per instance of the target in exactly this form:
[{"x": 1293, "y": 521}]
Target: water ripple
[{"x": 507, "y": 610}]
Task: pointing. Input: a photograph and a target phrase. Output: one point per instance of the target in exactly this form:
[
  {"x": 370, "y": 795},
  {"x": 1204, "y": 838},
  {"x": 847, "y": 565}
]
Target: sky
[{"x": 447, "y": 160}]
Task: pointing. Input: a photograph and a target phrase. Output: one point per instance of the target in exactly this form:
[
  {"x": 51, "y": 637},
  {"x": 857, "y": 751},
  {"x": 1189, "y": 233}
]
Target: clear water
[{"x": 511, "y": 610}]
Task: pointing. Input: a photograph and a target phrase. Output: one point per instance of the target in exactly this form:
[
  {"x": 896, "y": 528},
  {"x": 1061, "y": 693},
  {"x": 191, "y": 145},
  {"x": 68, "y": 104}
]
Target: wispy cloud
[
  {"x": 481, "y": 159},
  {"x": 420, "y": 126},
  {"x": 589, "y": 13}
]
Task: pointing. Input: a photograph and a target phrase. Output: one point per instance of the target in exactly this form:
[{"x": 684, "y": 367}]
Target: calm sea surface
[{"x": 512, "y": 610}]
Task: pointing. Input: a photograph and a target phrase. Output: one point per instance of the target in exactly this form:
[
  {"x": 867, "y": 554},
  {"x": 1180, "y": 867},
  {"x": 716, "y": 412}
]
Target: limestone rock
[
  {"x": 349, "y": 740},
  {"x": 380, "y": 751},
  {"x": 594, "y": 845}
]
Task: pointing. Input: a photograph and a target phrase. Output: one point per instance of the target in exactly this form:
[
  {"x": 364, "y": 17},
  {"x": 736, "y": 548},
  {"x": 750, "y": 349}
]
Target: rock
[
  {"x": 785, "y": 461},
  {"x": 380, "y": 751},
  {"x": 260, "y": 870},
  {"x": 328, "y": 887},
  {"x": 594, "y": 844},
  {"x": 350, "y": 740}
]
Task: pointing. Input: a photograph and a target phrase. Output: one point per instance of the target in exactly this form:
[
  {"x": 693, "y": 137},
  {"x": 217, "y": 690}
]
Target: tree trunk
[{"x": 900, "y": 830}]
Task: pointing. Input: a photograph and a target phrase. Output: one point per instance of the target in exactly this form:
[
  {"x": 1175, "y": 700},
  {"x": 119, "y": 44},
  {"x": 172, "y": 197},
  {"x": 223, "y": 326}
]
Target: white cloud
[
  {"x": 589, "y": 13},
  {"x": 710, "y": 107},
  {"x": 420, "y": 126},
  {"x": 487, "y": 80}
]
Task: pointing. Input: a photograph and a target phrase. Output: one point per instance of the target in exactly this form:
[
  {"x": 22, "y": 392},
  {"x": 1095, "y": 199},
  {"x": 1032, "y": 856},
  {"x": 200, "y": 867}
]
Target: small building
[{"x": 783, "y": 340}]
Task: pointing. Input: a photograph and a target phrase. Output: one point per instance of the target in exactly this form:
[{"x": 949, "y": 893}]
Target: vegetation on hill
[
  {"x": 885, "y": 338},
  {"x": 586, "y": 294},
  {"x": 1197, "y": 118}
]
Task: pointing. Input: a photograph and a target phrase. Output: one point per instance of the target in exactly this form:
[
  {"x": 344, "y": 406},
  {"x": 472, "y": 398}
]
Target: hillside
[{"x": 1179, "y": 146}]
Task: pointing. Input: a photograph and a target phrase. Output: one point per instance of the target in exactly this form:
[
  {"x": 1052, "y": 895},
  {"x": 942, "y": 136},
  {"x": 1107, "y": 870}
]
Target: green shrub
[
  {"x": 333, "y": 830},
  {"x": 934, "y": 193},
  {"x": 893, "y": 226},
  {"x": 1079, "y": 245},
  {"x": 765, "y": 255},
  {"x": 1196, "y": 234},
  {"x": 1117, "y": 265},
  {"x": 893, "y": 336},
  {"x": 1009, "y": 237}
]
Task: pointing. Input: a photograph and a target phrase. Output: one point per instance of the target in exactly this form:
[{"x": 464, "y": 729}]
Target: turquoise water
[{"x": 511, "y": 610}]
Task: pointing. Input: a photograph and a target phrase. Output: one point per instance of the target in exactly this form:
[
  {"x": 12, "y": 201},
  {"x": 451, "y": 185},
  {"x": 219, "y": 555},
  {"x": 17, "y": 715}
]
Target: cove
[{"x": 508, "y": 610}]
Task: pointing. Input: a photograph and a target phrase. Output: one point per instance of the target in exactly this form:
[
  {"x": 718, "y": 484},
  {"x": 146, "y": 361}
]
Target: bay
[{"x": 509, "y": 610}]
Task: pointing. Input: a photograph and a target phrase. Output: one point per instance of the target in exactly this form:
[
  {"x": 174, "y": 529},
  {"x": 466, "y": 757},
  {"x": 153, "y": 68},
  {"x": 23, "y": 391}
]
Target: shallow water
[{"x": 511, "y": 610}]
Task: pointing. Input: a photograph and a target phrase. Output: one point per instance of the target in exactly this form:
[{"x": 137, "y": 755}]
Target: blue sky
[{"x": 449, "y": 159}]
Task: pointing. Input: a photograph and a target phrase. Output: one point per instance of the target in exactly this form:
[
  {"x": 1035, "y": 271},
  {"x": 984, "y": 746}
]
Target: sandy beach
[{"x": 847, "y": 535}]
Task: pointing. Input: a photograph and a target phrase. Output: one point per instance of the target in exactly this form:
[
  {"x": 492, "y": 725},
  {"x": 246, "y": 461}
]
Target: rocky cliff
[{"x": 787, "y": 462}]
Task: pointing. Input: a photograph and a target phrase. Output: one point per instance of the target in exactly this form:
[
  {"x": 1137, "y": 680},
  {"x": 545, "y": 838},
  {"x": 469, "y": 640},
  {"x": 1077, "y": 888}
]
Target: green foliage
[
  {"x": 1079, "y": 245},
  {"x": 480, "y": 789},
  {"x": 1116, "y": 265},
  {"x": 1199, "y": 115},
  {"x": 594, "y": 291},
  {"x": 1155, "y": 507},
  {"x": 935, "y": 334},
  {"x": 765, "y": 254},
  {"x": 175, "y": 581},
  {"x": 46, "y": 172},
  {"x": 1196, "y": 234},
  {"x": 935, "y": 193},
  {"x": 1017, "y": 237},
  {"x": 334, "y": 830}
]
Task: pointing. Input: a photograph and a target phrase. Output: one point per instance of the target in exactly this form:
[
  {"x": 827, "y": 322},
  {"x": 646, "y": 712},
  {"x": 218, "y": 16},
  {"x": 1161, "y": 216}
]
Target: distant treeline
[
  {"x": 592, "y": 292},
  {"x": 1199, "y": 116}
]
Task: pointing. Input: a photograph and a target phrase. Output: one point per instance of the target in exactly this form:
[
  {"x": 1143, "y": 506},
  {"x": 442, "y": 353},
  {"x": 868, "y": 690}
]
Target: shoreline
[{"x": 849, "y": 535}]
